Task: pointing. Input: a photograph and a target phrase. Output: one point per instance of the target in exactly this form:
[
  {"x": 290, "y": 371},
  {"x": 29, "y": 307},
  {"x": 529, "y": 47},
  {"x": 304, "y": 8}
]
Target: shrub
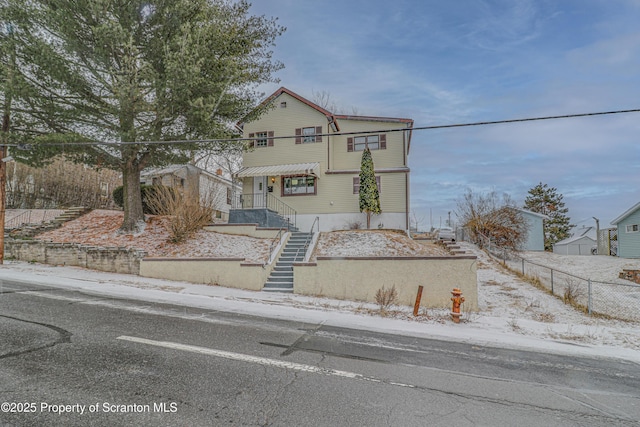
[
  {"x": 385, "y": 298},
  {"x": 187, "y": 213}
]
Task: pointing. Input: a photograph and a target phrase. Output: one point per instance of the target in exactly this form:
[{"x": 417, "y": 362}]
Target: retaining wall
[
  {"x": 229, "y": 272},
  {"x": 111, "y": 259},
  {"x": 359, "y": 278}
]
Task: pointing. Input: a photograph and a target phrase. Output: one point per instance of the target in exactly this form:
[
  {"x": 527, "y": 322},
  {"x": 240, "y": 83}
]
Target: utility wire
[{"x": 419, "y": 128}]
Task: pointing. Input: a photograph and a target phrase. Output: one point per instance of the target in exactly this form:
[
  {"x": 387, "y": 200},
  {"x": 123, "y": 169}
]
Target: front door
[{"x": 259, "y": 192}]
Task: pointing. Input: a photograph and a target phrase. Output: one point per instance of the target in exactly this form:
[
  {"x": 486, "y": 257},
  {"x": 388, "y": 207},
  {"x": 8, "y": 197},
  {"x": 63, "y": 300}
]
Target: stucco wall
[
  {"x": 359, "y": 279},
  {"x": 229, "y": 272}
]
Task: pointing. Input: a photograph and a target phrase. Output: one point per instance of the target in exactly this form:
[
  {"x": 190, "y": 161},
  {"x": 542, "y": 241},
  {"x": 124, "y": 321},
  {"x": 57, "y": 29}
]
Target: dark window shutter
[
  {"x": 298, "y": 135},
  {"x": 349, "y": 144},
  {"x": 318, "y": 132},
  {"x": 270, "y": 140},
  {"x": 383, "y": 141},
  {"x": 356, "y": 185},
  {"x": 252, "y": 143}
]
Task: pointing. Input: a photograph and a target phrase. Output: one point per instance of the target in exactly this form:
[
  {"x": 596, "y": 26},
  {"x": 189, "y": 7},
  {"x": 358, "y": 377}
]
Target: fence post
[
  {"x": 552, "y": 281},
  {"x": 589, "y": 303}
]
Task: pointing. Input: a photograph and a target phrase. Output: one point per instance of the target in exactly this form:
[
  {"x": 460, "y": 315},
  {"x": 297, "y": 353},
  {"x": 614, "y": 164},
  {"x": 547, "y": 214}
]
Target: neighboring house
[
  {"x": 211, "y": 187},
  {"x": 582, "y": 242},
  {"x": 628, "y": 225},
  {"x": 314, "y": 171},
  {"x": 535, "y": 230}
]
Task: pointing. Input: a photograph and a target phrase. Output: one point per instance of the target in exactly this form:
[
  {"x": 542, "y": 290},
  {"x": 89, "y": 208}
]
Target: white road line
[{"x": 259, "y": 360}]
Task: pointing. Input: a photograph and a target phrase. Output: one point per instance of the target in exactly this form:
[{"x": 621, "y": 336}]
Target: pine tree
[
  {"x": 134, "y": 72},
  {"x": 369, "y": 195},
  {"x": 546, "y": 200}
]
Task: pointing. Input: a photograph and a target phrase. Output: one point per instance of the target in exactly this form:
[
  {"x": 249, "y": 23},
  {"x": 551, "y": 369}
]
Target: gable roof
[
  {"x": 332, "y": 118},
  {"x": 628, "y": 212},
  {"x": 330, "y": 114},
  {"x": 575, "y": 238},
  {"x": 176, "y": 169}
]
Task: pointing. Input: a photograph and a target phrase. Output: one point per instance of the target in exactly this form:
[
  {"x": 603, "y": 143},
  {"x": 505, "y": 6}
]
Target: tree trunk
[
  {"x": 133, "y": 214},
  {"x": 368, "y": 220}
]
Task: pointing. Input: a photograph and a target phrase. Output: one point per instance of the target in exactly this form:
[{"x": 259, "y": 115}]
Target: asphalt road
[{"x": 73, "y": 359}]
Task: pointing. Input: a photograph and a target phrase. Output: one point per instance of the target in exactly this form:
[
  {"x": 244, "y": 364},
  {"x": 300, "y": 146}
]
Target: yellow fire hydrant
[{"x": 457, "y": 299}]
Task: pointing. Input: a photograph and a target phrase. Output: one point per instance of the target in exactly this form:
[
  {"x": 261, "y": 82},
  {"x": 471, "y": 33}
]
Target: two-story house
[{"x": 304, "y": 163}]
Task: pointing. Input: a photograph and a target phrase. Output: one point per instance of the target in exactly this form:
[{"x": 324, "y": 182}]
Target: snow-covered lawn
[
  {"x": 368, "y": 243},
  {"x": 100, "y": 228}
]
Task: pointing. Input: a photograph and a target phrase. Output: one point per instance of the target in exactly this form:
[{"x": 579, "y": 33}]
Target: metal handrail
[
  {"x": 309, "y": 237},
  {"x": 265, "y": 201},
  {"x": 274, "y": 245}
]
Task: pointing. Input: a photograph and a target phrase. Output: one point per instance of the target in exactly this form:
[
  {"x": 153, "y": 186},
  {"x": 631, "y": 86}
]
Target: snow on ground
[
  {"x": 512, "y": 313},
  {"x": 373, "y": 243},
  {"x": 100, "y": 228},
  {"x": 600, "y": 268},
  {"x": 511, "y": 304}
]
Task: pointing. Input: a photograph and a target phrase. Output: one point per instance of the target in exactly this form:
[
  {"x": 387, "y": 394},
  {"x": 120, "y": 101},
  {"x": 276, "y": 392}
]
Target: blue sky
[{"x": 444, "y": 62}]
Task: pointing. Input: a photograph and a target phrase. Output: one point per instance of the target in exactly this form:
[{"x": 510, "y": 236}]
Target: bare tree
[
  {"x": 494, "y": 217},
  {"x": 60, "y": 184},
  {"x": 323, "y": 99}
]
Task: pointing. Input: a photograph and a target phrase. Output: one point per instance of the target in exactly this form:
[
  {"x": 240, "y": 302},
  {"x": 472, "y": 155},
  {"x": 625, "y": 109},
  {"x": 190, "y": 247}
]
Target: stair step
[
  {"x": 278, "y": 285},
  {"x": 281, "y": 290},
  {"x": 281, "y": 274},
  {"x": 283, "y": 268}
]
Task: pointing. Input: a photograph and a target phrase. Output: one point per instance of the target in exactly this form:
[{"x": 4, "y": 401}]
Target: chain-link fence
[{"x": 615, "y": 300}]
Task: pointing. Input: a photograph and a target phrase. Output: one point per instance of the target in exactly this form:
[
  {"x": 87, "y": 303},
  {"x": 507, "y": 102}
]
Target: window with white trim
[
  {"x": 308, "y": 134},
  {"x": 301, "y": 185},
  {"x": 633, "y": 228},
  {"x": 374, "y": 142},
  {"x": 262, "y": 139}
]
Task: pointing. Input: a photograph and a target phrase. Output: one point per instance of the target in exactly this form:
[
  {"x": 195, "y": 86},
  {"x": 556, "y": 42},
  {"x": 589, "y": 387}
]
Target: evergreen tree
[
  {"x": 132, "y": 73},
  {"x": 369, "y": 195},
  {"x": 546, "y": 200}
]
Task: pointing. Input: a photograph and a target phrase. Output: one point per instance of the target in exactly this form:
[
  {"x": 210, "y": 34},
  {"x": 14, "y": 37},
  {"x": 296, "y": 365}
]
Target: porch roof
[{"x": 277, "y": 170}]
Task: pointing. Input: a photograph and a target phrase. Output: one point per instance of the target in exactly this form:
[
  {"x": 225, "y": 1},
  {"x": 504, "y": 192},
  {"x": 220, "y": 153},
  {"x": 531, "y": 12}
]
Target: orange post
[
  {"x": 416, "y": 306},
  {"x": 457, "y": 299}
]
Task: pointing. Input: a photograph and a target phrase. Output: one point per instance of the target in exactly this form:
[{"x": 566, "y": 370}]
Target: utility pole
[
  {"x": 6, "y": 114},
  {"x": 597, "y": 235}
]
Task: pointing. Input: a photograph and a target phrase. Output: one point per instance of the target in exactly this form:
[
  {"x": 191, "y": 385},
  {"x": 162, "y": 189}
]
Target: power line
[{"x": 419, "y": 128}]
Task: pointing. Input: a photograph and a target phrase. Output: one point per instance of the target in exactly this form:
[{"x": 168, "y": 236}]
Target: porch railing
[{"x": 264, "y": 201}]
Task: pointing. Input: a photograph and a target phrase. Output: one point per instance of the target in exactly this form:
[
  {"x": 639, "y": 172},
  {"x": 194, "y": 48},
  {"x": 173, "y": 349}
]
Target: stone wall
[{"x": 115, "y": 260}]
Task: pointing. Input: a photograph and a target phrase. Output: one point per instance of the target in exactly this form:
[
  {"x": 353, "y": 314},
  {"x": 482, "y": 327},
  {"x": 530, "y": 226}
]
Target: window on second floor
[
  {"x": 633, "y": 228},
  {"x": 374, "y": 142},
  {"x": 309, "y": 134},
  {"x": 262, "y": 139}
]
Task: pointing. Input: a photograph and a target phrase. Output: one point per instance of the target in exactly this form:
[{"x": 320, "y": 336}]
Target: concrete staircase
[
  {"x": 31, "y": 230},
  {"x": 281, "y": 277}
]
